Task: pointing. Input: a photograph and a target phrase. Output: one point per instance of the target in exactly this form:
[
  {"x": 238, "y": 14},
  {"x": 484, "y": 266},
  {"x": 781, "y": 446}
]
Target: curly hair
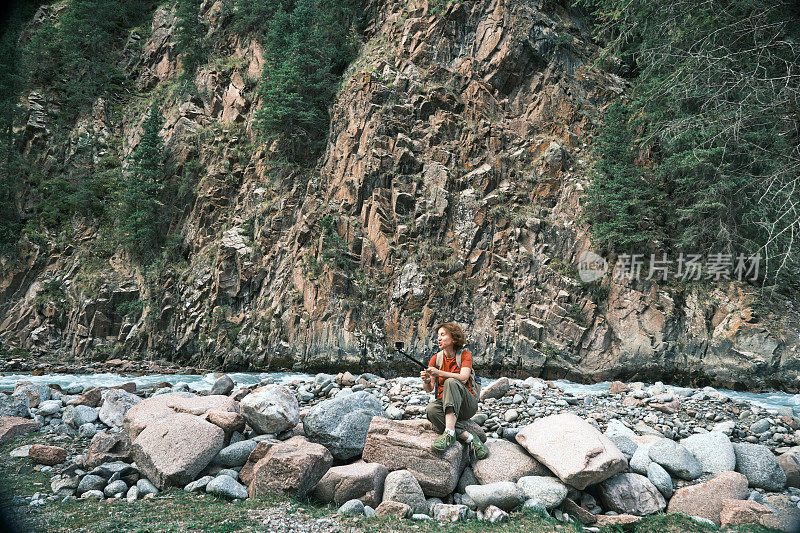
[{"x": 455, "y": 331}]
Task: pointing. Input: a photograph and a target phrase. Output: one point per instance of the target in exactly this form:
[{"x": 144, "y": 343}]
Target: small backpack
[{"x": 473, "y": 377}]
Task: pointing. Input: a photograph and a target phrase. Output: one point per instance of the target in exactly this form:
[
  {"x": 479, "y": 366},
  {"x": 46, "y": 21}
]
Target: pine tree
[
  {"x": 621, "y": 200},
  {"x": 140, "y": 206},
  {"x": 189, "y": 35},
  {"x": 306, "y": 50},
  {"x": 715, "y": 93}
]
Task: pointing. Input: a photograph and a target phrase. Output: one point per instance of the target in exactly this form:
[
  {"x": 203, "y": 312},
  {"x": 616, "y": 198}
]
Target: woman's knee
[{"x": 432, "y": 410}]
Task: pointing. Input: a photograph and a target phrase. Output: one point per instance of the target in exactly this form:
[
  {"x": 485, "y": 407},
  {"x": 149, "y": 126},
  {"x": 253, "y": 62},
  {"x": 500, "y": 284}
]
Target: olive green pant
[{"x": 456, "y": 395}]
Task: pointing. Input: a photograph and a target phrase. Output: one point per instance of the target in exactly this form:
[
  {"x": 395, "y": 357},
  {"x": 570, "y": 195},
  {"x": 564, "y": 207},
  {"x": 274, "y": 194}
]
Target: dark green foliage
[
  {"x": 335, "y": 250},
  {"x": 622, "y": 198},
  {"x": 75, "y": 55},
  {"x": 253, "y": 15},
  {"x": 10, "y": 81},
  {"x": 308, "y": 44},
  {"x": 705, "y": 155},
  {"x": 140, "y": 210},
  {"x": 189, "y": 35}
]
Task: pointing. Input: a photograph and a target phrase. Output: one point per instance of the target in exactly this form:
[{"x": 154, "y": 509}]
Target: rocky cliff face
[{"x": 458, "y": 152}]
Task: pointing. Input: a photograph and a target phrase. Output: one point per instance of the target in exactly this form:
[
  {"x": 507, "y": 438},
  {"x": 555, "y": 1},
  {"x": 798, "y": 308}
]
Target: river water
[{"x": 767, "y": 400}]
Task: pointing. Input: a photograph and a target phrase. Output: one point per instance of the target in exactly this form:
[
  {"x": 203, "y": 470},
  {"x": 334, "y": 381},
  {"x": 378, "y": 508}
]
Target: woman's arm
[{"x": 462, "y": 376}]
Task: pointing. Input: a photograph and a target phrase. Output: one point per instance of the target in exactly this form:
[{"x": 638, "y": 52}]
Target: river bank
[
  {"x": 772, "y": 400},
  {"x": 93, "y": 433}
]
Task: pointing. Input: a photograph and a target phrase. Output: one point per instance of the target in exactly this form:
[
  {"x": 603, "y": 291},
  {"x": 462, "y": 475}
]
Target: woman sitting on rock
[{"x": 450, "y": 374}]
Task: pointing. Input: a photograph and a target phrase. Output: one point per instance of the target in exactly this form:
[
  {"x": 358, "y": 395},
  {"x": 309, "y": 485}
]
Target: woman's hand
[
  {"x": 424, "y": 375},
  {"x": 433, "y": 371}
]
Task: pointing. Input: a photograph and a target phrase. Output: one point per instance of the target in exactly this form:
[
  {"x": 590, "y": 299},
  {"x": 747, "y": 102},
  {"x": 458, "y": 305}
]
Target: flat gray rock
[
  {"x": 675, "y": 459},
  {"x": 661, "y": 479},
  {"x": 630, "y": 493},
  {"x": 714, "y": 451},
  {"x": 548, "y": 490},
  {"x": 759, "y": 466},
  {"x": 226, "y": 487},
  {"x": 503, "y": 494},
  {"x": 236, "y": 454}
]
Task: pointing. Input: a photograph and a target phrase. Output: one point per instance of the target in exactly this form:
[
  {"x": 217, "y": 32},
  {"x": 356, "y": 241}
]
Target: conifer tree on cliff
[{"x": 140, "y": 206}]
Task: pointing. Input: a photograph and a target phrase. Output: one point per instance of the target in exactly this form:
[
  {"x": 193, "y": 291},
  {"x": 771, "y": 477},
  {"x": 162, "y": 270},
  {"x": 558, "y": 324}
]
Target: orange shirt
[{"x": 449, "y": 365}]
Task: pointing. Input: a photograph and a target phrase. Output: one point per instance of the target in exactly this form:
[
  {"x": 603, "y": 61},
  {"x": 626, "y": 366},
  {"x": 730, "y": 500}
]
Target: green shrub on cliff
[{"x": 705, "y": 152}]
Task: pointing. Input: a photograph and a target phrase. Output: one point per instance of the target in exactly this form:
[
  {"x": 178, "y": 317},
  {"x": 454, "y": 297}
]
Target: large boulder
[
  {"x": 629, "y": 493},
  {"x": 706, "y": 499},
  {"x": 106, "y": 447},
  {"x": 675, "y": 459},
  {"x": 116, "y": 403},
  {"x": 173, "y": 450},
  {"x": 14, "y": 426},
  {"x": 36, "y": 393},
  {"x": 507, "y": 461},
  {"x": 271, "y": 409},
  {"x": 406, "y": 445},
  {"x": 167, "y": 405},
  {"x": 17, "y": 405},
  {"x": 223, "y": 385},
  {"x": 401, "y": 486},
  {"x": 496, "y": 389},
  {"x": 713, "y": 449},
  {"x": 341, "y": 424},
  {"x": 572, "y": 449},
  {"x": 293, "y": 467},
  {"x": 358, "y": 481},
  {"x": 759, "y": 466}
]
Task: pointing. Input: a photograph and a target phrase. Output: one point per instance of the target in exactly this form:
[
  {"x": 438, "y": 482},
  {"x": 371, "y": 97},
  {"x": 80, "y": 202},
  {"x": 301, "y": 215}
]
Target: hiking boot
[
  {"x": 480, "y": 449},
  {"x": 443, "y": 441}
]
